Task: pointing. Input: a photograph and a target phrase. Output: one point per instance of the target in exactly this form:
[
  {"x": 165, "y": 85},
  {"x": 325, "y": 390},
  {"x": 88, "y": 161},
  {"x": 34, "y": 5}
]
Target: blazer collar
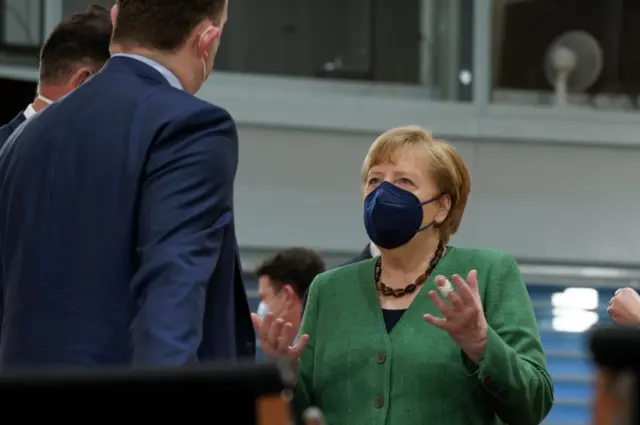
[{"x": 133, "y": 66}]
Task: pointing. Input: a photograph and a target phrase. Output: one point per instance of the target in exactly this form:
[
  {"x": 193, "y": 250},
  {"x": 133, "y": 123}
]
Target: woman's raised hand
[
  {"x": 277, "y": 337},
  {"x": 463, "y": 315}
]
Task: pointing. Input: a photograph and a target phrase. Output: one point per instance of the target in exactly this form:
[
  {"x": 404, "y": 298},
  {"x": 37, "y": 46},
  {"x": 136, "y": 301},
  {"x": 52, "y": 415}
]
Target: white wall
[{"x": 542, "y": 202}]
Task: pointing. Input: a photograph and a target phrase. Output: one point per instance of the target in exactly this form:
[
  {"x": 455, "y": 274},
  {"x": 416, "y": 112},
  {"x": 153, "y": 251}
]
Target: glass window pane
[
  {"x": 20, "y": 25},
  {"x": 424, "y": 43},
  {"x": 408, "y": 43},
  {"x": 541, "y": 46},
  {"x": 73, "y": 6}
]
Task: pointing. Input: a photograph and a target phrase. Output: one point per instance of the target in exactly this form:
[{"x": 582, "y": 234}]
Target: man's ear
[
  {"x": 289, "y": 292},
  {"x": 80, "y": 76},
  {"x": 114, "y": 14},
  {"x": 207, "y": 39}
]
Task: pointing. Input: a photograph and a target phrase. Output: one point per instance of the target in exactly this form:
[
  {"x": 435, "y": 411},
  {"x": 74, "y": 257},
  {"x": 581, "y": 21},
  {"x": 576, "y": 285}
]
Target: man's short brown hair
[
  {"x": 82, "y": 39},
  {"x": 162, "y": 24},
  {"x": 294, "y": 266}
]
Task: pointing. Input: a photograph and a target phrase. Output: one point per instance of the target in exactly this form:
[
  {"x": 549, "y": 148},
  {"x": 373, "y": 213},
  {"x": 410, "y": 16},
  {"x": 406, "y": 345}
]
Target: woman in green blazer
[{"x": 426, "y": 333}]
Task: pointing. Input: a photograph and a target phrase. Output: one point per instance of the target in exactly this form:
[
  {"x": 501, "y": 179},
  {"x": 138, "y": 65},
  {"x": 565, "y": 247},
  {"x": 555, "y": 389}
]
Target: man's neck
[
  {"x": 295, "y": 315},
  {"x": 49, "y": 92},
  {"x": 174, "y": 62},
  {"x": 38, "y": 105}
]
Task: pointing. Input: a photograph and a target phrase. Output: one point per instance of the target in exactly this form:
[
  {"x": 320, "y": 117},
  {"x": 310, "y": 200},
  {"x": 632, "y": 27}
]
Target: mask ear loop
[
  {"x": 426, "y": 226},
  {"x": 284, "y": 305},
  {"x": 205, "y": 74},
  {"x": 44, "y": 99},
  {"x": 433, "y": 223}
]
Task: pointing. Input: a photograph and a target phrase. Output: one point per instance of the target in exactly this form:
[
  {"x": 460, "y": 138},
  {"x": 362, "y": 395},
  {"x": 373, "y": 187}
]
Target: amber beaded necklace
[{"x": 410, "y": 288}]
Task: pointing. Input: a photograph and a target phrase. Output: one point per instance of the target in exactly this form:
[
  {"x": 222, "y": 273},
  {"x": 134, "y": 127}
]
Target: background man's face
[{"x": 275, "y": 301}]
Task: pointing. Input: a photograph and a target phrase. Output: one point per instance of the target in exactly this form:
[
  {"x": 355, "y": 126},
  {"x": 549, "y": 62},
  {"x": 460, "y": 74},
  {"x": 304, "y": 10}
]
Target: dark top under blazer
[{"x": 117, "y": 239}]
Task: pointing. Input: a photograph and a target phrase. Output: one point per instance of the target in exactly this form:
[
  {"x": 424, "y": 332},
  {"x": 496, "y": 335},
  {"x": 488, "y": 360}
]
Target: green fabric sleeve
[
  {"x": 303, "y": 398},
  {"x": 512, "y": 368}
]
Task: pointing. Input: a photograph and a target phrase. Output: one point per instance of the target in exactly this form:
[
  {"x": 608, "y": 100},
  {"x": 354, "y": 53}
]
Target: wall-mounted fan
[{"x": 573, "y": 62}]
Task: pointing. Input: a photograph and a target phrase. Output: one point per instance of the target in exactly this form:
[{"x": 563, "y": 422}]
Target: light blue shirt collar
[{"x": 170, "y": 76}]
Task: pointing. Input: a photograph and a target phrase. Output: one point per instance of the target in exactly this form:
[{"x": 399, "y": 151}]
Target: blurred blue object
[
  {"x": 573, "y": 387},
  {"x": 569, "y": 412}
]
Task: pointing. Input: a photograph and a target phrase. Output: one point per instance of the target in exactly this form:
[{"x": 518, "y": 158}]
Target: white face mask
[{"x": 262, "y": 310}]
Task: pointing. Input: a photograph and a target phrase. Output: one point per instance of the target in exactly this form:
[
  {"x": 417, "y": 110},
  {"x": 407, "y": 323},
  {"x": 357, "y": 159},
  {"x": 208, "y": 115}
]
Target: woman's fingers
[
  {"x": 256, "y": 321},
  {"x": 287, "y": 335},
  {"x": 299, "y": 346},
  {"x": 437, "y": 322},
  {"x": 472, "y": 280},
  {"x": 440, "y": 304},
  {"x": 267, "y": 322},
  {"x": 277, "y": 336},
  {"x": 463, "y": 289},
  {"x": 275, "y": 332}
]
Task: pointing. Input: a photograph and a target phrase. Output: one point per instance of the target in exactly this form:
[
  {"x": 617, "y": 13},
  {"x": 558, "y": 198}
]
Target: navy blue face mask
[{"x": 392, "y": 216}]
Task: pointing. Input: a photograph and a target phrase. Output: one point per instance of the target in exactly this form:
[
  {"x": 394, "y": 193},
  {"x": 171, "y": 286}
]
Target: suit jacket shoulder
[
  {"x": 178, "y": 105},
  {"x": 172, "y": 114},
  {"x": 7, "y": 129}
]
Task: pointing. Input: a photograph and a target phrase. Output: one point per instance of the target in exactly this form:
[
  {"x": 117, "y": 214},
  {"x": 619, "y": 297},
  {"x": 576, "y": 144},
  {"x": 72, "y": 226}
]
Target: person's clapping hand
[
  {"x": 463, "y": 316},
  {"x": 277, "y": 337},
  {"x": 624, "y": 307}
]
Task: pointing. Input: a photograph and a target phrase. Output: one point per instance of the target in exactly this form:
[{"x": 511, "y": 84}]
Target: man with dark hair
[
  {"x": 283, "y": 280},
  {"x": 75, "y": 50},
  {"x": 118, "y": 243}
]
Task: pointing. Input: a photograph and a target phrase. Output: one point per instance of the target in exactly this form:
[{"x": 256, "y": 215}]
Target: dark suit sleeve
[
  {"x": 185, "y": 209},
  {"x": 6, "y": 131}
]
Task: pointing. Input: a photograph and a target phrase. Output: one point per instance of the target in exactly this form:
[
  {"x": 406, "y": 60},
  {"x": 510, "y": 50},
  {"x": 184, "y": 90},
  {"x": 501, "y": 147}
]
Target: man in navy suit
[
  {"x": 117, "y": 239},
  {"x": 76, "y": 49}
]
